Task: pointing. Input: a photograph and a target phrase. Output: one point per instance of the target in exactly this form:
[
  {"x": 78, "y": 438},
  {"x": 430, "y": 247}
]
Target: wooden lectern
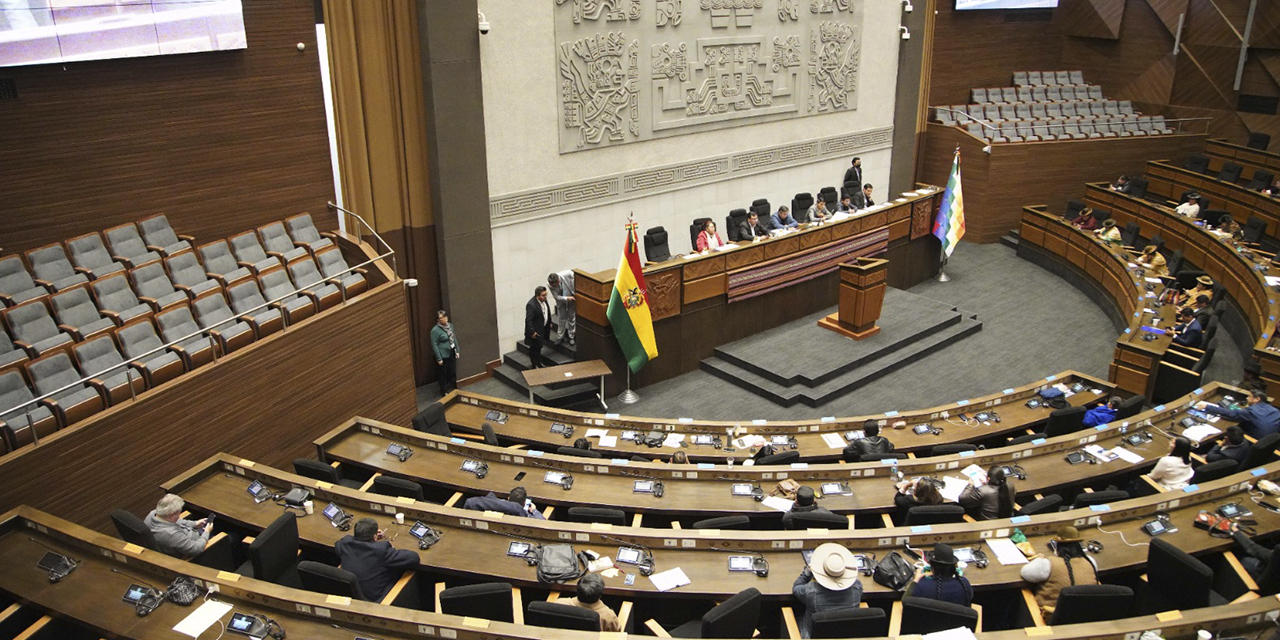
[{"x": 862, "y": 284}]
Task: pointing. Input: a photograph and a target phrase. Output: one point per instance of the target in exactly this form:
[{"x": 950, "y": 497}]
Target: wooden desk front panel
[{"x": 1170, "y": 181}]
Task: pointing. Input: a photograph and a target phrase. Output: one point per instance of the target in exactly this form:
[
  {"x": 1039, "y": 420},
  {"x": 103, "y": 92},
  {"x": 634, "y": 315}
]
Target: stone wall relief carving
[
  {"x": 668, "y": 12},
  {"x": 726, "y": 13},
  {"x": 834, "y": 51},
  {"x": 788, "y": 10},
  {"x": 610, "y": 10},
  {"x": 599, "y": 86}
]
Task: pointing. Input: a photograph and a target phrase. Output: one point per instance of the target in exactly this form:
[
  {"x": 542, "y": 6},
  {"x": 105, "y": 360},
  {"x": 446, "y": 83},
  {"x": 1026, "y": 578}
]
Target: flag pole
[
  {"x": 942, "y": 270},
  {"x": 629, "y": 396}
]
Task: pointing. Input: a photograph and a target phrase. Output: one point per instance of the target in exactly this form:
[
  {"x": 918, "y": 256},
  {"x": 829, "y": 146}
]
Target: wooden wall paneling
[
  {"x": 221, "y": 142},
  {"x": 1090, "y": 18},
  {"x": 267, "y": 403},
  {"x": 984, "y": 48},
  {"x": 1216, "y": 22}
]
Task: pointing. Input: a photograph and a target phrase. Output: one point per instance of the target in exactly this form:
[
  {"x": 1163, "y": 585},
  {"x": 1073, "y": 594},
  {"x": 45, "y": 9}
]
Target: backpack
[
  {"x": 893, "y": 572},
  {"x": 559, "y": 563}
]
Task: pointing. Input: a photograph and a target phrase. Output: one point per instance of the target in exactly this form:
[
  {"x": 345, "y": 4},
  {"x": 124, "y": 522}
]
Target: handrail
[
  {"x": 1135, "y": 119},
  {"x": 206, "y": 331},
  {"x": 387, "y": 247}
]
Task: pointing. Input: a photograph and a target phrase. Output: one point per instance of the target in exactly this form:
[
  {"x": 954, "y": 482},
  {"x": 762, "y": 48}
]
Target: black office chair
[
  {"x": 951, "y": 448},
  {"x": 132, "y": 529},
  {"x": 335, "y": 581},
  {"x": 1261, "y": 452},
  {"x": 1074, "y": 207},
  {"x": 1026, "y": 438},
  {"x": 1212, "y": 217},
  {"x": 1176, "y": 580},
  {"x": 1043, "y": 505},
  {"x": 1214, "y": 470},
  {"x": 762, "y": 208},
  {"x": 850, "y": 622},
  {"x": 800, "y": 206},
  {"x": 581, "y": 453},
  {"x": 1230, "y": 172},
  {"x": 1205, "y": 359},
  {"x": 696, "y": 228},
  {"x": 388, "y": 486},
  {"x": 1131, "y": 236},
  {"x": 1261, "y": 180},
  {"x": 615, "y": 517},
  {"x": 829, "y": 194},
  {"x": 1198, "y": 162},
  {"x": 733, "y": 618},
  {"x": 273, "y": 555},
  {"x": 1082, "y": 603},
  {"x": 926, "y": 615},
  {"x": 487, "y": 600},
  {"x": 1085, "y": 499},
  {"x": 849, "y": 189},
  {"x": 1156, "y": 241},
  {"x": 431, "y": 420},
  {"x": 1138, "y": 187},
  {"x": 736, "y": 523},
  {"x": 1259, "y": 140},
  {"x": 817, "y": 520},
  {"x": 1174, "y": 261},
  {"x": 1254, "y": 229},
  {"x": 1064, "y": 421},
  {"x": 317, "y": 470},
  {"x": 656, "y": 248},
  {"x": 934, "y": 514},
  {"x": 731, "y": 222},
  {"x": 554, "y": 615},
  {"x": 490, "y": 436},
  {"x": 784, "y": 457},
  {"x": 1130, "y": 407}
]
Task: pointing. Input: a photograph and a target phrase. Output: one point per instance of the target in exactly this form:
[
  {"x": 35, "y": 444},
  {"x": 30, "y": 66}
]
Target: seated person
[
  {"x": 943, "y": 582},
  {"x": 751, "y": 230},
  {"x": 806, "y": 502},
  {"x": 174, "y": 535},
  {"x": 1109, "y": 232},
  {"x": 818, "y": 212},
  {"x": 1153, "y": 262},
  {"x": 782, "y": 219},
  {"x": 516, "y": 504},
  {"x": 916, "y": 492},
  {"x": 829, "y": 582},
  {"x": 1174, "y": 470},
  {"x": 1229, "y": 227},
  {"x": 1066, "y": 565},
  {"x": 1087, "y": 220},
  {"x": 1189, "y": 332},
  {"x": 582, "y": 443},
  {"x": 1204, "y": 287},
  {"x": 1274, "y": 189},
  {"x": 1121, "y": 184},
  {"x": 871, "y": 442},
  {"x": 1103, "y": 413},
  {"x": 376, "y": 564},
  {"x": 846, "y": 204},
  {"x": 1258, "y": 419},
  {"x": 1190, "y": 206},
  {"x": 1231, "y": 446},
  {"x": 590, "y": 588},
  {"x": 862, "y": 199},
  {"x": 709, "y": 238},
  {"x": 1256, "y": 557},
  {"x": 1199, "y": 307},
  {"x": 679, "y": 457},
  {"x": 990, "y": 497}
]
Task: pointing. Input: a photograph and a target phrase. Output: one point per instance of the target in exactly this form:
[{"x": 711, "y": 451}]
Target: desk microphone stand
[{"x": 629, "y": 396}]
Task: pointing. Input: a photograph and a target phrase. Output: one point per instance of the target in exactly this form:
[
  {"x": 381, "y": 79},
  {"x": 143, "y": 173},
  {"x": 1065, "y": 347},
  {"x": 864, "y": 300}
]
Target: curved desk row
[
  {"x": 1220, "y": 151},
  {"x": 817, "y": 440},
  {"x": 1170, "y": 181},
  {"x": 707, "y": 490},
  {"x": 91, "y": 597},
  {"x": 475, "y": 544}
]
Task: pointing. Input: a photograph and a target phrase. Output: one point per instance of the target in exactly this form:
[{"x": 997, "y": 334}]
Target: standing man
[
  {"x": 376, "y": 564},
  {"x": 561, "y": 285},
  {"x": 445, "y": 345},
  {"x": 854, "y": 173},
  {"x": 537, "y": 325},
  {"x": 1258, "y": 419}
]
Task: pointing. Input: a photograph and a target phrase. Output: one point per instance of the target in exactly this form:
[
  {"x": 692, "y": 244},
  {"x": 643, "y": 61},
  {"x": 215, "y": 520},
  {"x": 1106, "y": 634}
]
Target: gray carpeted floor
[{"x": 1034, "y": 324}]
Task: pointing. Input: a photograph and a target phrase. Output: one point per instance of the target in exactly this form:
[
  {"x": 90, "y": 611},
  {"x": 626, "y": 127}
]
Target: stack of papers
[
  {"x": 608, "y": 441},
  {"x": 596, "y": 433},
  {"x": 1005, "y": 551},
  {"x": 958, "y": 633},
  {"x": 1126, "y": 455},
  {"x": 1101, "y": 454},
  {"x": 202, "y": 618},
  {"x": 669, "y": 579},
  {"x": 1198, "y": 433},
  {"x": 833, "y": 440},
  {"x": 673, "y": 440},
  {"x": 780, "y": 504},
  {"x": 951, "y": 488}
]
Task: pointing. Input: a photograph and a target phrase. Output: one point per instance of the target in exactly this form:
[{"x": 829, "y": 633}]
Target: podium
[{"x": 862, "y": 284}]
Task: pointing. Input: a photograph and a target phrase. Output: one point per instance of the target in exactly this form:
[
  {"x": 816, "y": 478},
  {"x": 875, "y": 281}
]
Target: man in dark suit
[
  {"x": 1189, "y": 330},
  {"x": 537, "y": 325},
  {"x": 375, "y": 563},
  {"x": 751, "y": 229},
  {"x": 854, "y": 173},
  {"x": 862, "y": 199}
]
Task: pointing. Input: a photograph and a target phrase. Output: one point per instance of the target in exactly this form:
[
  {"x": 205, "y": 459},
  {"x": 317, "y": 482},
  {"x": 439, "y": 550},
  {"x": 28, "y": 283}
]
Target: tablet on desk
[
  {"x": 470, "y": 466},
  {"x": 241, "y": 623},
  {"x": 740, "y": 563},
  {"x": 332, "y": 511},
  {"x": 419, "y": 529},
  {"x": 629, "y": 555},
  {"x": 835, "y": 489},
  {"x": 259, "y": 491},
  {"x": 519, "y": 549},
  {"x": 643, "y": 486},
  {"x": 702, "y": 439},
  {"x": 554, "y": 477},
  {"x": 135, "y": 593},
  {"x": 743, "y": 489}
]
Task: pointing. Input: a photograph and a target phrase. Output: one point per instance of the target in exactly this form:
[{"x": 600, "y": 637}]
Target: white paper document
[
  {"x": 673, "y": 440},
  {"x": 1101, "y": 454},
  {"x": 1127, "y": 455},
  {"x": 202, "y": 618},
  {"x": 595, "y": 433},
  {"x": 951, "y": 488},
  {"x": 608, "y": 442},
  {"x": 781, "y": 504},
  {"x": 1006, "y": 552},
  {"x": 727, "y": 247},
  {"x": 833, "y": 440},
  {"x": 669, "y": 579},
  {"x": 1273, "y": 280},
  {"x": 1200, "y": 432},
  {"x": 958, "y": 633}
]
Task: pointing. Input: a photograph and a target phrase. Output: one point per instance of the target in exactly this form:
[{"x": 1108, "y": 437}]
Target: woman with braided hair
[
  {"x": 1068, "y": 565},
  {"x": 990, "y": 498},
  {"x": 944, "y": 581}
]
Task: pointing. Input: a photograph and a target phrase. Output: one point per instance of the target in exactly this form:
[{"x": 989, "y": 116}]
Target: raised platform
[
  {"x": 800, "y": 362},
  {"x": 563, "y": 394}
]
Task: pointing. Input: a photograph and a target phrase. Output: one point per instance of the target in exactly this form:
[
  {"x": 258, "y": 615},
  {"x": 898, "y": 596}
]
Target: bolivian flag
[{"x": 629, "y": 307}]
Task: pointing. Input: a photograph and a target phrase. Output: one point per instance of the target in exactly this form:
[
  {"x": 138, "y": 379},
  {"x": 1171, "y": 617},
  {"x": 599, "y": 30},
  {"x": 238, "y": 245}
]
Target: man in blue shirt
[
  {"x": 782, "y": 219},
  {"x": 1258, "y": 419},
  {"x": 1103, "y": 413},
  {"x": 829, "y": 582},
  {"x": 1190, "y": 333}
]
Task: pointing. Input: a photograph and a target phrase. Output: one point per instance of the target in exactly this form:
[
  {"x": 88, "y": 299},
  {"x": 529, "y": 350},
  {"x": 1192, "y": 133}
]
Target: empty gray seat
[
  {"x": 1077, "y": 77},
  {"x": 1069, "y": 111},
  {"x": 1054, "y": 94},
  {"x": 160, "y": 237},
  {"x": 277, "y": 286},
  {"x": 71, "y": 399},
  {"x": 77, "y": 315},
  {"x": 33, "y": 328},
  {"x": 308, "y": 278},
  {"x": 178, "y": 322},
  {"x": 247, "y": 301},
  {"x": 1024, "y": 94},
  {"x": 1095, "y": 92},
  {"x": 152, "y": 285},
  {"x": 187, "y": 275},
  {"x": 1125, "y": 107},
  {"x": 212, "y": 312},
  {"x": 944, "y": 116},
  {"x": 334, "y": 268},
  {"x": 100, "y": 360},
  {"x": 305, "y": 234},
  {"x": 9, "y": 354},
  {"x": 1008, "y": 112},
  {"x": 1027, "y": 132},
  {"x": 979, "y": 96},
  {"x": 1039, "y": 94},
  {"x": 127, "y": 247},
  {"x": 220, "y": 264},
  {"x": 1008, "y": 94},
  {"x": 90, "y": 256},
  {"x": 1053, "y": 111},
  {"x": 52, "y": 268},
  {"x": 1159, "y": 124},
  {"x": 16, "y": 285},
  {"x": 17, "y": 416},
  {"x": 1068, "y": 94},
  {"x": 117, "y": 300},
  {"x": 1038, "y": 111},
  {"x": 250, "y": 254},
  {"x": 1034, "y": 79},
  {"x": 278, "y": 243},
  {"x": 1022, "y": 111},
  {"x": 141, "y": 344}
]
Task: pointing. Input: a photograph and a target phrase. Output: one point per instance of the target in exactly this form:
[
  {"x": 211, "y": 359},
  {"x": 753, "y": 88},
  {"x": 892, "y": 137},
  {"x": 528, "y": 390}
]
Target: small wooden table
[{"x": 571, "y": 372}]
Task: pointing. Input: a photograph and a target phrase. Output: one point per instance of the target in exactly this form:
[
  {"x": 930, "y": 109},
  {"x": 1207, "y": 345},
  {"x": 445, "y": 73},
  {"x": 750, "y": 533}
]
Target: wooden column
[{"x": 861, "y": 296}]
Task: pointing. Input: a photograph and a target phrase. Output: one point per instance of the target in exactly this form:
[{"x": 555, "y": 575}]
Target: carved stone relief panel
[{"x": 710, "y": 64}]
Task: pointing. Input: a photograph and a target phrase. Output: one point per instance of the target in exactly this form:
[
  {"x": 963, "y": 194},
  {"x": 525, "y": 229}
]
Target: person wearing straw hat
[
  {"x": 1067, "y": 565},
  {"x": 944, "y": 582},
  {"x": 1153, "y": 262},
  {"x": 1204, "y": 287},
  {"x": 829, "y": 582},
  {"x": 1109, "y": 232}
]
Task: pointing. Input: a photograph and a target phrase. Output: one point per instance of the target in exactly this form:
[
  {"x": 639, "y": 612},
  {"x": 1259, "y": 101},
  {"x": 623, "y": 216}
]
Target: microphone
[
  {"x": 658, "y": 488},
  {"x": 759, "y": 565},
  {"x": 399, "y": 451},
  {"x": 148, "y": 602},
  {"x": 757, "y": 492},
  {"x": 646, "y": 562},
  {"x": 566, "y": 481},
  {"x": 66, "y": 564}
]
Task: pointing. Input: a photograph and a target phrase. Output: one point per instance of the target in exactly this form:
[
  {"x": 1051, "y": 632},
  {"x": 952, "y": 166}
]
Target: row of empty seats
[
  {"x": 1014, "y": 95},
  {"x": 1047, "y": 78},
  {"x": 1089, "y": 128},
  {"x": 964, "y": 114},
  {"x": 1230, "y": 172}
]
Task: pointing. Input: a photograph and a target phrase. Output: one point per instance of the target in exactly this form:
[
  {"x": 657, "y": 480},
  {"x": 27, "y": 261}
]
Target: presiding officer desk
[
  {"x": 90, "y": 597},
  {"x": 699, "y": 302},
  {"x": 474, "y": 544},
  {"x": 531, "y": 425}
]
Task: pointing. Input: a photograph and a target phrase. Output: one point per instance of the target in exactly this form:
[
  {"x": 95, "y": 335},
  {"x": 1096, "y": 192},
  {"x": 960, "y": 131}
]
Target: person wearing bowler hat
[
  {"x": 829, "y": 582},
  {"x": 1109, "y": 232},
  {"x": 1066, "y": 565},
  {"x": 944, "y": 581}
]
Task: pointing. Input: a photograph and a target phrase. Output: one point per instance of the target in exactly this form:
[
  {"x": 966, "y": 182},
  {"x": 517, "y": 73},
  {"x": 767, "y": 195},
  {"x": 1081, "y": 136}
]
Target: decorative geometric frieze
[{"x": 611, "y": 10}]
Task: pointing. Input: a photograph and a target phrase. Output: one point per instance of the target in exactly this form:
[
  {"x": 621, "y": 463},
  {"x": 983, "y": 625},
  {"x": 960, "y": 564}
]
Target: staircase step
[
  {"x": 549, "y": 348},
  {"x": 1011, "y": 240}
]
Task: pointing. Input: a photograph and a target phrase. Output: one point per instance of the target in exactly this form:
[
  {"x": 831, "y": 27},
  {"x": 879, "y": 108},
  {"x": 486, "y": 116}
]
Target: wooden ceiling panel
[
  {"x": 1266, "y": 26},
  {"x": 1091, "y": 18},
  {"x": 1222, "y": 123},
  {"x": 1256, "y": 122},
  {"x": 1258, "y": 79}
]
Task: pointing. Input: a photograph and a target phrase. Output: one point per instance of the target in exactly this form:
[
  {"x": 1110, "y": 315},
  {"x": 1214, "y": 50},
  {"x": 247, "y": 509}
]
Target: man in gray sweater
[{"x": 174, "y": 535}]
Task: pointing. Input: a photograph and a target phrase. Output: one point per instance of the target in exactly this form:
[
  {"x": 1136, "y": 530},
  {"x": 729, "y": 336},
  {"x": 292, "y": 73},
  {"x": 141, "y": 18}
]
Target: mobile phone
[{"x": 520, "y": 476}]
